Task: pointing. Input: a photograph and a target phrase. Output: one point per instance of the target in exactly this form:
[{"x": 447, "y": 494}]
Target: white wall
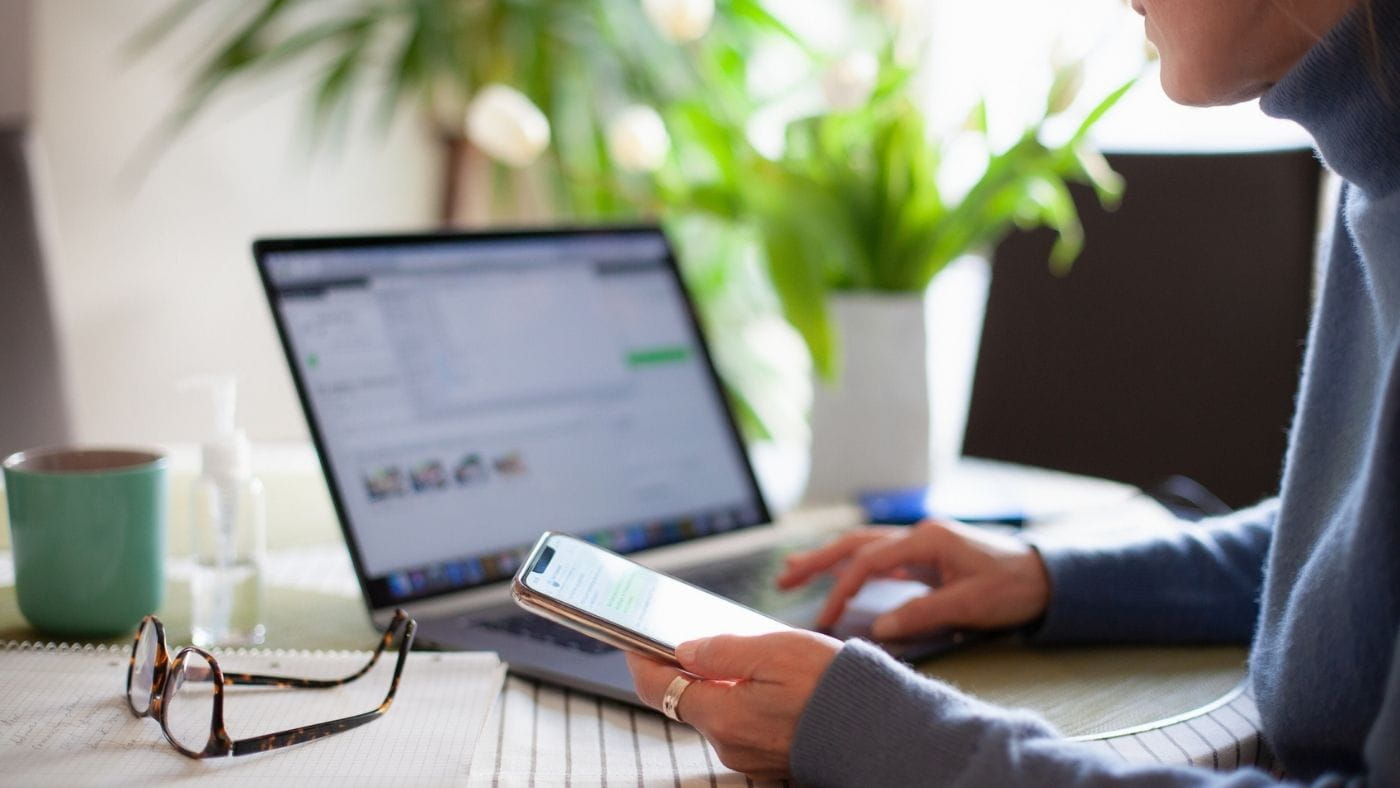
[
  {"x": 154, "y": 276},
  {"x": 14, "y": 58}
]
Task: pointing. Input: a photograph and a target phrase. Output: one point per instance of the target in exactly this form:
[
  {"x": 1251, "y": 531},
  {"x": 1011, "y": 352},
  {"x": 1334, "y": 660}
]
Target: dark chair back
[{"x": 1174, "y": 345}]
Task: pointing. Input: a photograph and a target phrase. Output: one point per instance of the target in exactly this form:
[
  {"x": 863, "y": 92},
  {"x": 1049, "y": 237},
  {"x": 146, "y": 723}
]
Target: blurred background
[{"x": 162, "y": 136}]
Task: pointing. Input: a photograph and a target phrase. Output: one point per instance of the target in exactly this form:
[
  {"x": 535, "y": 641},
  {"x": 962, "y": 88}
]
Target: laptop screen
[{"x": 467, "y": 393}]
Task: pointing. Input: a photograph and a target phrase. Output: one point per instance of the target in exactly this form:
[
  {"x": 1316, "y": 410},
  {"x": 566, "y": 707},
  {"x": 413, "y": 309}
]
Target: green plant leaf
[
  {"x": 410, "y": 67},
  {"x": 1099, "y": 110},
  {"x": 1064, "y": 89},
  {"x": 755, "y": 13},
  {"x": 161, "y": 26},
  {"x": 308, "y": 40},
  {"x": 334, "y": 96},
  {"x": 1055, "y": 209},
  {"x": 1094, "y": 168},
  {"x": 750, "y": 422},
  {"x": 977, "y": 119},
  {"x": 799, "y": 283}
]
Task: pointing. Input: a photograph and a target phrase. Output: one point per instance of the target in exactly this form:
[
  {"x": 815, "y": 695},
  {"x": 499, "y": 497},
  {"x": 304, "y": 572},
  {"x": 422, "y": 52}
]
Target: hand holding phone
[{"x": 625, "y": 604}]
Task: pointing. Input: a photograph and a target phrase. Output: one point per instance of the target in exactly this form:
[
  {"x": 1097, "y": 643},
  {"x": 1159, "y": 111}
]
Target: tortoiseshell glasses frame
[{"x": 167, "y": 674}]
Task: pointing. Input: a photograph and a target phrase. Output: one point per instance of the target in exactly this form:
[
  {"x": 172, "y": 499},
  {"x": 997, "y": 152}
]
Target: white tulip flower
[
  {"x": 637, "y": 139},
  {"x": 681, "y": 21},
  {"x": 505, "y": 124},
  {"x": 849, "y": 81}
]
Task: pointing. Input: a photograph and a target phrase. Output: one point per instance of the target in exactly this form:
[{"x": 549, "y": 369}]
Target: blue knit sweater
[{"x": 1313, "y": 577}]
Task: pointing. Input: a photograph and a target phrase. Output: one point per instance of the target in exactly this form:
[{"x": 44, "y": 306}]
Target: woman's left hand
[{"x": 748, "y": 694}]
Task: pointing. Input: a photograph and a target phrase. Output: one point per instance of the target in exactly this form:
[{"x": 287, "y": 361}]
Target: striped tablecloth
[{"x": 539, "y": 735}]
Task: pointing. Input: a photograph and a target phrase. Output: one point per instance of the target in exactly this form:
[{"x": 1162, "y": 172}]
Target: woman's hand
[
  {"x": 984, "y": 580},
  {"x": 749, "y": 693}
]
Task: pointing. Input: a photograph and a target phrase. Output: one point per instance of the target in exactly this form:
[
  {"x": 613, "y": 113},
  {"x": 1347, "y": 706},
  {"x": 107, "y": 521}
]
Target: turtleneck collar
[{"x": 1334, "y": 93}]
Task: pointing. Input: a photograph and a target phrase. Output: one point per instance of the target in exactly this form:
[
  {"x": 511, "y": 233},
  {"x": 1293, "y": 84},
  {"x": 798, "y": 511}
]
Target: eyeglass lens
[
  {"x": 189, "y": 702},
  {"x": 143, "y": 668}
]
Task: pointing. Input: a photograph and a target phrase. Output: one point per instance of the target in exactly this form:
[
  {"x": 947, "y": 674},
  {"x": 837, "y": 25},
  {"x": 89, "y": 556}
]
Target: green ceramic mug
[{"x": 87, "y": 527}]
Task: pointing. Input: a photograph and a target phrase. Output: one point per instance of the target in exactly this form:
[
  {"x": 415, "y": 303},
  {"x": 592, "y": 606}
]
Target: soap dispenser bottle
[{"x": 228, "y": 523}]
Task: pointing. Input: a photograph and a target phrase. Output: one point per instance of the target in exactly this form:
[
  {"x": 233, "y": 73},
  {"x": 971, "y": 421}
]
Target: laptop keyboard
[
  {"x": 748, "y": 580},
  {"x": 537, "y": 628}
]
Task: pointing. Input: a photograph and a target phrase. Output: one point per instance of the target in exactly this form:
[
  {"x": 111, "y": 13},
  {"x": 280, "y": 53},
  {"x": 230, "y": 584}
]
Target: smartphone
[{"x": 624, "y": 604}]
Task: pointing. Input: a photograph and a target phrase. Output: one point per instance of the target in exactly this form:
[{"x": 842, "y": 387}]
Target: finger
[
  {"x": 721, "y": 657},
  {"x": 800, "y": 567},
  {"x": 703, "y": 702},
  {"x": 757, "y": 764},
  {"x": 650, "y": 678},
  {"x": 935, "y": 611},
  {"x": 837, "y": 549},
  {"x": 735, "y": 657},
  {"x": 871, "y": 560},
  {"x": 699, "y": 701}
]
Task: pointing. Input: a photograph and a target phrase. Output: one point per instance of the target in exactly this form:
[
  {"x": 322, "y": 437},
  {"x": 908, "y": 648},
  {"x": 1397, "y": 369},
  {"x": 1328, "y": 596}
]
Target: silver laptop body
[{"x": 467, "y": 392}]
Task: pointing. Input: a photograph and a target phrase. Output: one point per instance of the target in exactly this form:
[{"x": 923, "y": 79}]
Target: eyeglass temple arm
[
  {"x": 287, "y": 738},
  {"x": 272, "y": 741},
  {"x": 263, "y": 680}
]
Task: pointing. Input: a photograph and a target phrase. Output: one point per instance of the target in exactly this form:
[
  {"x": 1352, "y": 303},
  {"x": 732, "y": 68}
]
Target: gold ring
[{"x": 672, "y": 698}]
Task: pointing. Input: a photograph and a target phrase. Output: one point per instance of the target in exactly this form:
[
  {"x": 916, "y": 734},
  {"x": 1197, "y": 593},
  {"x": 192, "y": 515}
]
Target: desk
[{"x": 1140, "y": 704}]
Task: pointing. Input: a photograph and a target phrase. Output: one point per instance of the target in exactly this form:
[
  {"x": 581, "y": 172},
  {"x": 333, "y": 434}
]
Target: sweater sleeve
[
  {"x": 872, "y": 721},
  {"x": 1201, "y": 585}
]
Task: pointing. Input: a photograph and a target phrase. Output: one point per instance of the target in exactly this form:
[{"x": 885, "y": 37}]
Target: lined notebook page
[{"x": 64, "y": 721}]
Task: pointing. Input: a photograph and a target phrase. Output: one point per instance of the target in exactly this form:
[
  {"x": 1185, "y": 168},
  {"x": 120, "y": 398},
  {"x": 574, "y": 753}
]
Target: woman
[{"x": 1313, "y": 576}]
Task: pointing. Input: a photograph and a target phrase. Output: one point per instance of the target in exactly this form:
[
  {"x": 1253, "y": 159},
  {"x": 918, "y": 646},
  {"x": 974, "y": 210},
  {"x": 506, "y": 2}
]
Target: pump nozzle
[
  {"x": 222, "y": 401},
  {"x": 225, "y": 446}
]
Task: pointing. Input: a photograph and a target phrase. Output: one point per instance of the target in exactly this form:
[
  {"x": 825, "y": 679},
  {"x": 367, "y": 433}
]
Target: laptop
[{"x": 468, "y": 392}]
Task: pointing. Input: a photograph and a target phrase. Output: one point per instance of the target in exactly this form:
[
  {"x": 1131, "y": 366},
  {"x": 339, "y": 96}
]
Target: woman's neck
[{"x": 1346, "y": 92}]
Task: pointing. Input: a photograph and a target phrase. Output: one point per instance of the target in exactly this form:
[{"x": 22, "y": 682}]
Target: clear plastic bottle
[{"x": 228, "y": 533}]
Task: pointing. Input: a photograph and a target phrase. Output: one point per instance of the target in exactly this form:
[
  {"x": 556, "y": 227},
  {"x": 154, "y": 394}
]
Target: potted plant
[
  {"x": 856, "y": 218},
  {"x": 606, "y": 109}
]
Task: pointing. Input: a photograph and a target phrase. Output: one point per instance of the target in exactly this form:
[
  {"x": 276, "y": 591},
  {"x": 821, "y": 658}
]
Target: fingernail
[{"x": 685, "y": 652}]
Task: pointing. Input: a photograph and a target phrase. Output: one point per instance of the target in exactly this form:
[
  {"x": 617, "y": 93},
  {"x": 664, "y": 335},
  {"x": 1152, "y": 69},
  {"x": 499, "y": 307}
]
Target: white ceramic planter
[{"x": 896, "y": 418}]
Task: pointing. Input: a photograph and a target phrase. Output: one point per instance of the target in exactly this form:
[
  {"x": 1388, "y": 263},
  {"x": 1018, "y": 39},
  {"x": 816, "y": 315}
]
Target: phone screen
[{"x": 634, "y": 597}]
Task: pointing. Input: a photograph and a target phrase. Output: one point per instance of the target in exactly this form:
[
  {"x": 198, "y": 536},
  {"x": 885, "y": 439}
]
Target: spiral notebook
[{"x": 64, "y": 720}]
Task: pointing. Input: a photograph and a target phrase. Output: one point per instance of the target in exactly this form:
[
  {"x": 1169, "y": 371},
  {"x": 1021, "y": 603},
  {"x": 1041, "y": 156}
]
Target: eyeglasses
[{"x": 186, "y": 693}]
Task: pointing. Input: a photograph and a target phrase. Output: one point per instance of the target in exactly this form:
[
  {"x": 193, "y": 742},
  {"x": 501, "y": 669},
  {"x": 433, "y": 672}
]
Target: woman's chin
[{"x": 1194, "y": 91}]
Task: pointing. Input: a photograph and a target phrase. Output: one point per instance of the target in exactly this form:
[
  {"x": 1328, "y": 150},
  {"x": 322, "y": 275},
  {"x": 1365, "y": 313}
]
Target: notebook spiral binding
[
  {"x": 95, "y": 648},
  {"x": 123, "y": 648}
]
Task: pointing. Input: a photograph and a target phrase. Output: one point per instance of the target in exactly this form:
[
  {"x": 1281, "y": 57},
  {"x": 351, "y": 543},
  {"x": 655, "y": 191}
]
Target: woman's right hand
[{"x": 985, "y": 580}]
